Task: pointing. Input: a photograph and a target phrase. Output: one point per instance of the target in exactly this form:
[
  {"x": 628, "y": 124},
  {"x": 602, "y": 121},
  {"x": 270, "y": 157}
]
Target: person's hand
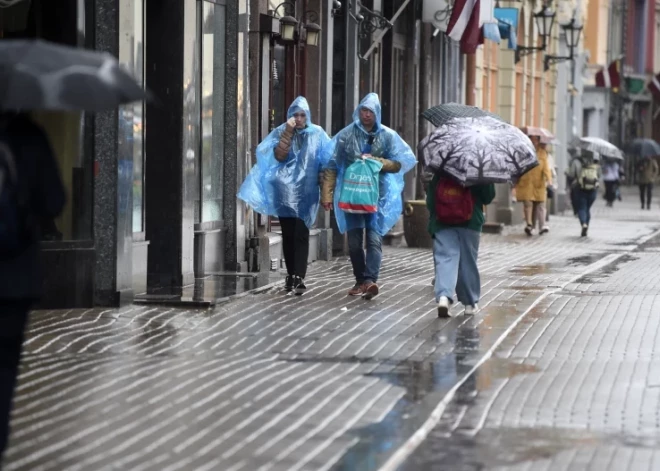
[
  {"x": 291, "y": 124},
  {"x": 327, "y": 206},
  {"x": 367, "y": 156}
]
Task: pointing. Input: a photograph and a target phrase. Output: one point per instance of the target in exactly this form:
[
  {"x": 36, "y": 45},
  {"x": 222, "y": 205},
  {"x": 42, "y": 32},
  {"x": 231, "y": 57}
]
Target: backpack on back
[
  {"x": 454, "y": 204},
  {"x": 588, "y": 177},
  {"x": 14, "y": 232}
]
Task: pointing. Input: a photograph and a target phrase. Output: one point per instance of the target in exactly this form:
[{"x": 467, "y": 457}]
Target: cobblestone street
[{"x": 557, "y": 371}]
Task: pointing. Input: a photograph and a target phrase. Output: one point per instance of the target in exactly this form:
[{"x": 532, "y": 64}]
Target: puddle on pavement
[
  {"x": 532, "y": 270},
  {"x": 606, "y": 271},
  {"x": 426, "y": 382},
  {"x": 505, "y": 447}
]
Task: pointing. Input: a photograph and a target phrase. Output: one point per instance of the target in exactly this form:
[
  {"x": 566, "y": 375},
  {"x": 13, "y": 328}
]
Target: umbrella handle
[{"x": 409, "y": 210}]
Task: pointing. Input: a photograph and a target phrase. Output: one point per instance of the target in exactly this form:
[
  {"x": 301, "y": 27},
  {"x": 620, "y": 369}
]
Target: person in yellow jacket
[{"x": 532, "y": 190}]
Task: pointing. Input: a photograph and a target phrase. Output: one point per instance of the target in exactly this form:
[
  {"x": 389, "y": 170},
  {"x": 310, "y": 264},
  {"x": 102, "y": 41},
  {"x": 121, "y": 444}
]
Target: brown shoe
[
  {"x": 370, "y": 291},
  {"x": 357, "y": 290}
]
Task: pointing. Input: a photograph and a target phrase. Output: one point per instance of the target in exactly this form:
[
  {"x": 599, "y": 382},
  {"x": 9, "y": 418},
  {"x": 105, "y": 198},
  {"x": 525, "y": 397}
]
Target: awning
[{"x": 507, "y": 19}]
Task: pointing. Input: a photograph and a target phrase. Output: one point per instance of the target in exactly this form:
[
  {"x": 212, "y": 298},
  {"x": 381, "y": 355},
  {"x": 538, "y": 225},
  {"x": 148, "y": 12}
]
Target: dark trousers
[
  {"x": 13, "y": 318},
  {"x": 295, "y": 244},
  {"x": 645, "y": 193},
  {"x": 585, "y": 199},
  {"x": 610, "y": 191}
]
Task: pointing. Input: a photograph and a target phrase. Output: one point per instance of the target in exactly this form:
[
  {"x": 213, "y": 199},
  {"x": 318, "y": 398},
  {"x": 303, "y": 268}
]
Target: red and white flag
[
  {"x": 654, "y": 87},
  {"x": 465, "y": 25},
  {"x": 610, "y": 77}
]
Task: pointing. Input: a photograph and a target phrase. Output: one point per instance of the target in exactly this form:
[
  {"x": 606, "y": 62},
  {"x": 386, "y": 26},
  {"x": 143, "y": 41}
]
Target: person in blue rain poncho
[
  {"x": 366, "y": 137},
  {"x": 285, "y": 183}
]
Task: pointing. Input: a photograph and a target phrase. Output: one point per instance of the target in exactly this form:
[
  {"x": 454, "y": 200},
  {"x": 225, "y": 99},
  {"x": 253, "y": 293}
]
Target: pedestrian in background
[
  {"x": 648, "y": 173},
  {"x": 367, "y": 138},
  {"x": 39, "y": 197},
  {"x": 611, "y": 171},
  {"x": 532, "y": 190},
  {"x": 286, "y": 183},
  {"x": 456, "y": 241},
  {"x": 585, "y": 174}
]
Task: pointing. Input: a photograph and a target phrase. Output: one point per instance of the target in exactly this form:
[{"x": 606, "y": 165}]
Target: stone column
[{"x": 106, "y": 232}]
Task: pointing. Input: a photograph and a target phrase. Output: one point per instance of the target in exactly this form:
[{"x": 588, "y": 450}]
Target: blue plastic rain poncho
[
  {"x": 348, "y": 145},
  {"x": 289, "y": 188}
]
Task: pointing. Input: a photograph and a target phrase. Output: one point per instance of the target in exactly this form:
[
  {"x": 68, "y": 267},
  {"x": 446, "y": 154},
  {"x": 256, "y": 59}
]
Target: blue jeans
[
  {"x": 455, "y": 253},
  {"x": 365, "y": 267},
  {"x": 585, "y": 199}
]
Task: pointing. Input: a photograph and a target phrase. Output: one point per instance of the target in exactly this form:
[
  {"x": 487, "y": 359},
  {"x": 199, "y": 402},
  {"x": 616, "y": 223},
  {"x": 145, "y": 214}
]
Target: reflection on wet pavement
[{"x": 278, "y": 382}]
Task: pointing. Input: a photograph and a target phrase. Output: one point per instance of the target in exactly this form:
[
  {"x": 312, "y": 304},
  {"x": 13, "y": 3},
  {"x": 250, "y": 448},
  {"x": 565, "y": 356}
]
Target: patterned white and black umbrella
[
  {"x": 599, "y": 146},
  {"x": 48, "y": 76},
  {"x": 478, "y": 151}
]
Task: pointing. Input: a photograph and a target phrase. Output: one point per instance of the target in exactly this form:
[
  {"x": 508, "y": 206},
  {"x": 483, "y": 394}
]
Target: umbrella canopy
[
  {"x": 441, "y": 114},
  {"x": 546, "y": 136},
  {"x": 47, "y": 76},
  {"x": 599, "y": 146},
  {"x": 643, "y": 147},
  {"x": 478, "y": 151}
]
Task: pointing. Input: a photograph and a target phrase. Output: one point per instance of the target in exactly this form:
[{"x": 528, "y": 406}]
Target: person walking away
[
  {"x": 585, "y": 173},
  {"x": 532, "y": 190},
  {"x": 31, "y": 191},
  {"x": 611, "y": 176},
  {"x": 366, "y": 137},
  {"x": 648, "y": 173},
  {"x": 286, "y": 183},
  {"x": 455, "y": 223}
]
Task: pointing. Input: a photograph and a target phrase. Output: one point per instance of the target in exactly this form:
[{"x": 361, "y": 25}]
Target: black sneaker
[
  {"x": 288, "y": 284},
  {"x": 585, "y": 230},
  {"x": 528, "y": 230},
  {"x": 300, "y": 287}
]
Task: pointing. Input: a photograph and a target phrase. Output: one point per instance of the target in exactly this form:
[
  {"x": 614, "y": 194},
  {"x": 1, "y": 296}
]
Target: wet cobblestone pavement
[{"x": 557, "y": 371}]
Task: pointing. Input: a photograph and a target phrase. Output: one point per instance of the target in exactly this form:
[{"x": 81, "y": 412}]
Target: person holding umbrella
[
  {"x": 532, "y": 190},
  {"x": 285, "y": 183},
  {"x": 648, "y": 173},
  {"x": 466, "y": 155},
  {"x": 367, "y": 138},
  {"x": 37, "y": 75},
  {"x": 612, "y": 174}
]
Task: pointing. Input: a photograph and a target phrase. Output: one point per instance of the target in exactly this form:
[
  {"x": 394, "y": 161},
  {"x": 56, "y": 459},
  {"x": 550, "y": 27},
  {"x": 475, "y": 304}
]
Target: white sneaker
[
  {"x": 443, "y": 307},
  {"x": 471, "y": 310}
]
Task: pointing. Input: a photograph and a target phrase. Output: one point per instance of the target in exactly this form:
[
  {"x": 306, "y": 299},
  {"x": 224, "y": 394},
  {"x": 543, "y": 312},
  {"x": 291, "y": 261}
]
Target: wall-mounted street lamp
[
  {"x": 573, "y": 32},
  {"x": 293, "y": 31},
  {"x": 545, "y": 20}
]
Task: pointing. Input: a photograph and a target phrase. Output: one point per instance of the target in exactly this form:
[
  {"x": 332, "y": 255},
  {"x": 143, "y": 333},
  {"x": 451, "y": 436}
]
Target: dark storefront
[{"x": 150, "y": 187}]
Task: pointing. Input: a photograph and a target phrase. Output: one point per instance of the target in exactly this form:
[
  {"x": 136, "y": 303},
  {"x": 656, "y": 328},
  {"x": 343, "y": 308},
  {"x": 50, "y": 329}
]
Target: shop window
[
  {"x": 212, "y": 111},
  {"x": 63, "y": 23},
  {"x": 131, "y": 116}
]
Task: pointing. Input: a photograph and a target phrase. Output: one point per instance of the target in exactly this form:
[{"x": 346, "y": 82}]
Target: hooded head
[
  {"x": 297, "y": 109},
  {"x": 368, "y": 114}
]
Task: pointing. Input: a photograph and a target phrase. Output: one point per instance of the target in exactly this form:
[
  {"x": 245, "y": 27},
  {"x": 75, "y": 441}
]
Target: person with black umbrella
[
  {"x": 37, "y": 75},
  {"x": 32, "y": 193}
]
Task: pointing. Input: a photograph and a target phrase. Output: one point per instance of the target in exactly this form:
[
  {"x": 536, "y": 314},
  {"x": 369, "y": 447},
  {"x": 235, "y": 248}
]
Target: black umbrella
[
  {"x": 643, "y": 147},
  {"x": 441, "y": 114},
  {"x": 48, "y": 76}
]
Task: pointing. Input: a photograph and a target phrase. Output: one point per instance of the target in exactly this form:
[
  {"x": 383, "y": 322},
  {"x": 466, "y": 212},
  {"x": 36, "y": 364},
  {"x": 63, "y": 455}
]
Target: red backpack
[{"x": 454, "y": 204}]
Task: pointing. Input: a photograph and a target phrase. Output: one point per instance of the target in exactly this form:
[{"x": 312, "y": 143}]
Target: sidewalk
[{"x": 325, "y": 381}]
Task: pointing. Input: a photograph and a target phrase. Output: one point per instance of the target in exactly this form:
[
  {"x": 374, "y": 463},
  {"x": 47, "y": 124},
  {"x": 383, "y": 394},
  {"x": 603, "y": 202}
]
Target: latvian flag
[
  {"x": 465, "y": 26},
  {"x": 610, "y": 77},
  {"x": 654, "y": 86}
]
